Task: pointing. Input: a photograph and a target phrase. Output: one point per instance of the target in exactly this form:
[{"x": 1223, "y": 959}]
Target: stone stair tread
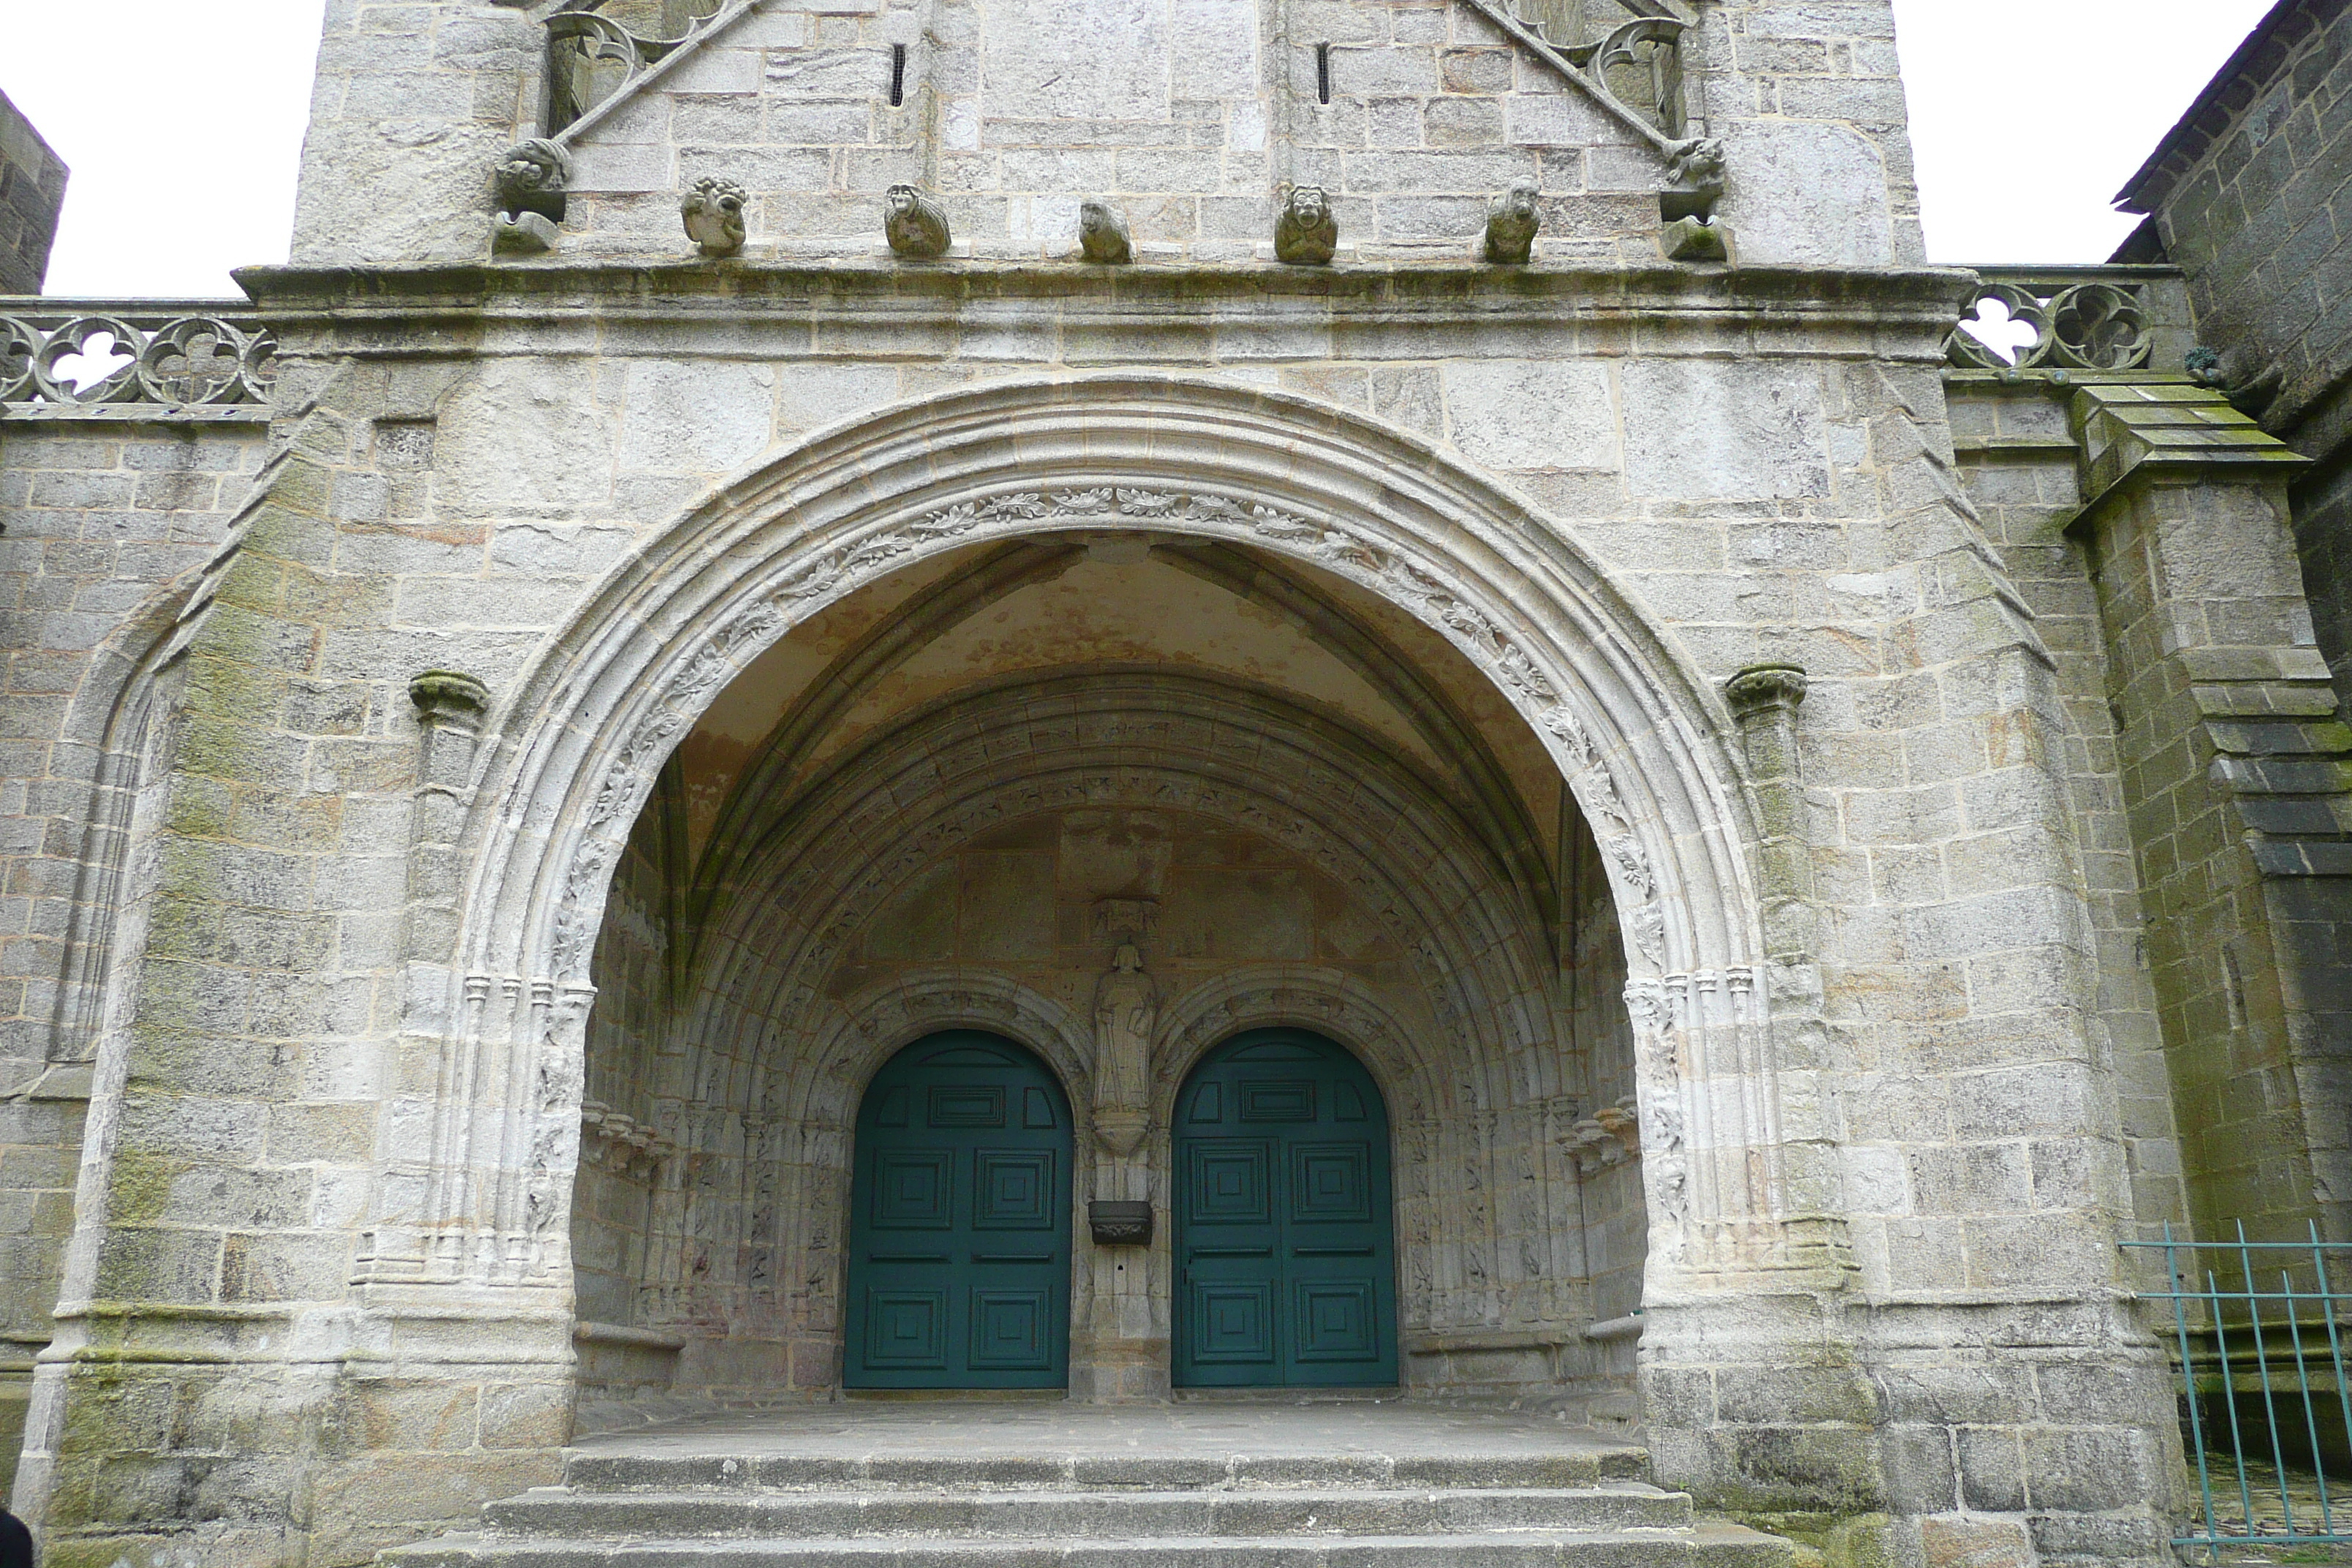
[
  {"x": 1227, "y": 1515},
  {"x": 1506, "y": 1549},
  {"x": 590, "y": 1470}
]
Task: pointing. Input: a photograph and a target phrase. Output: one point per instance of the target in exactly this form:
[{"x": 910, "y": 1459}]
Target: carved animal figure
[
  {"x": 914, "y": 224},
  {"x": 1695, "y": 180},
  {"x": 531, "y": 178},
  {"x": 1511, "y": 224},
  {"x": 1306, "y": 233},
  {"x": 713, "y": 210},
  {"x": 1102, "y": 233}
]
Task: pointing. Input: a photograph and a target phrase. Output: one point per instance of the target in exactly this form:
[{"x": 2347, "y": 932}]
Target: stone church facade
[{"x": 1812, "y": 831}]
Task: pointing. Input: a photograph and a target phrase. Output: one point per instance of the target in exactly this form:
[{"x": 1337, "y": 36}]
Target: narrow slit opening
[
  {"x": 1322, "y": 73},
  {"x": 898, "y": 75}
]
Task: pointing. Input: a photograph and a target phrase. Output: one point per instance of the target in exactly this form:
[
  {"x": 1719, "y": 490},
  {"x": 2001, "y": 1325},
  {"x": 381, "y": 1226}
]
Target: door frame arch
[{"x": 572, "y": 749}]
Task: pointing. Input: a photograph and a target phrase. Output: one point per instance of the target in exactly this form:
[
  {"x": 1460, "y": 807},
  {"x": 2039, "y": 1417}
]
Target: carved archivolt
[
  {"x": 1151, "y": 741},
  {"x": 592, "y": 717},
  {"x": 1303, "y": 996},
  {"x": 1348, "y": 550},
  {"x": 823, "y": 1080}
]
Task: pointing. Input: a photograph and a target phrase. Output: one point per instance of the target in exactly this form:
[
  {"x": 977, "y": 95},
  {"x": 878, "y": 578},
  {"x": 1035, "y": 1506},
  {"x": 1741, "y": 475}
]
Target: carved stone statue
[
  {"x": 1306, "y": 233},
  {"x": 1695, "y": 184},
  {"x": 1511, "y": 224},
  {"x": 531, "y": 180},
  {"x": 713, "y": 210},
  {"x": 915, "y": 224},
  {"x": 1102, "y": 233},
  {"x": 1126, "y": 1004}
]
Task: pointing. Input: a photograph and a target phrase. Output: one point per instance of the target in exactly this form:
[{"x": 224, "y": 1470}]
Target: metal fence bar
[
  {"x": 2195, "y": 1417},
  {"x": 2335, "y": 1340},
  {"x": 2310, "y": 1416},
  {"x": 2262, "y": 1372},
  {"x": 2228, "y": 1403},
  {"x": 2258, "y": 1392}
]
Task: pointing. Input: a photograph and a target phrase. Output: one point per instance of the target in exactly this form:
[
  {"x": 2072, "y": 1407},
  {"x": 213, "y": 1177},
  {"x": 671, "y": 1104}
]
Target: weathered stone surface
[{"x": 1398, "y": 646}]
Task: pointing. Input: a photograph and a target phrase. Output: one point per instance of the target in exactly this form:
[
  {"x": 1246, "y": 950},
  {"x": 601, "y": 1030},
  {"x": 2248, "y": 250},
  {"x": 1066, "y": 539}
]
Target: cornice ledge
[{"x": 621, "y": 285}]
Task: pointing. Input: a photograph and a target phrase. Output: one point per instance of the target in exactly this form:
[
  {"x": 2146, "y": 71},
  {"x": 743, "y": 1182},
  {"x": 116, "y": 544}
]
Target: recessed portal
[
  {"x": 1285, "y": 1255},
  {"x": 960, "y": 1229}
]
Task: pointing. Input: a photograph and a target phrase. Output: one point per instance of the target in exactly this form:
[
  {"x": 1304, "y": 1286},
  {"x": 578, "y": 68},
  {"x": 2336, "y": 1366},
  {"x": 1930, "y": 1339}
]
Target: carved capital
[
  {"x": 1766, "y": 691},
  {"x": 447, "y": 697}
]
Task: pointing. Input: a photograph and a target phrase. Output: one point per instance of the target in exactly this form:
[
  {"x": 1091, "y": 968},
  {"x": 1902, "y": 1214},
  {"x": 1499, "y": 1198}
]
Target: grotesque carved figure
[
  {"x": 1695, "y": 182},
  {"x": 531, "y": 179},
  {"x": 713, "y": 210},
  {"x": 1102, "y": 233},
  {"x": 916, "y": 226},
  {"x": 1697, "y": 174},
  {"x": 2250, "y": 395},
  {"x": 1306, "y": 233},
  {"x": 1125, "y": 1005},
  {"x": 1511, "y": 224}
]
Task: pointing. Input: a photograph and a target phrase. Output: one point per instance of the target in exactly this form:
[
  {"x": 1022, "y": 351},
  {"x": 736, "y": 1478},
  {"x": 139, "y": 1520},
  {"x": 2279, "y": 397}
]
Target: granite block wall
[{"x": 32, "y": 197}]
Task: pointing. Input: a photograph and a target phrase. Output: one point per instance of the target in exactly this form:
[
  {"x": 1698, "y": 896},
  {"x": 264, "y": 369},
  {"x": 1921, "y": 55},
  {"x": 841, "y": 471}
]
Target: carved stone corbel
[
  {"x": 1764, "y": 698},
  {"x": 1306, "y": 234},
  {"x": 915, "y": 224},
  {"x": 450, "y": 708},
  {"x": 533, "y": 180},
  {"x": 1102, "y": 234},
  {"x": 1511, "y": 224},
  {"x": 712, "y": 210},
  {"x": 1696, "y": 183}
]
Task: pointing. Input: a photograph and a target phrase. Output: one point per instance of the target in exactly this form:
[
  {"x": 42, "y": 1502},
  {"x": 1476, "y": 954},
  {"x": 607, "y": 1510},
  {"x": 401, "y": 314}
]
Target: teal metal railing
[{"x": 2266, "y": 1409}]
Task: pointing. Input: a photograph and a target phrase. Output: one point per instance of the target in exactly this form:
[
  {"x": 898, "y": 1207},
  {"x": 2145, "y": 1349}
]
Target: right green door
[{"x": 1285, "y": 1249}]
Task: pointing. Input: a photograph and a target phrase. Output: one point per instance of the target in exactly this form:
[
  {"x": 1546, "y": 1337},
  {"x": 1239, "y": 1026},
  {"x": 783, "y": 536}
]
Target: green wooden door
[
  {"x": 1283, "y": 1243},
  {"x": 959, "y": 1221}
]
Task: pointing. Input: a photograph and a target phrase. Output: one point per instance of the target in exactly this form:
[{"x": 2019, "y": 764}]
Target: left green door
[{"x": 959, "y": 1221}]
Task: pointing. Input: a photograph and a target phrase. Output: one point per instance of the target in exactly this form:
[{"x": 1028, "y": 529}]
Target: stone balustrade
[
  {"x": 133, "y": 358},
  {"x": 2096, "y": 320}
]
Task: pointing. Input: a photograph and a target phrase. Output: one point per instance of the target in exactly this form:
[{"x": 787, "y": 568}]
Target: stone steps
[
  {"x": 1712, "y": 1546},
  {"x": 1073, "y": 1515},
  {"x": 1311, "y": 1488},
  {"x": 598, "y": 1471}
]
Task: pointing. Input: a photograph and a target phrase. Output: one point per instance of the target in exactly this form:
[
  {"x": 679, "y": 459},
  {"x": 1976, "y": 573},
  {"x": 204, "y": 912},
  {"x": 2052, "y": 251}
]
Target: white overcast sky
[{"x": 182, "y": 120}]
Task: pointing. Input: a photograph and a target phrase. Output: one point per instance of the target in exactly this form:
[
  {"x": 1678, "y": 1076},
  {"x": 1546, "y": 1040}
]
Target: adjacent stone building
[
  {"x": 2239, "y": 196},
  {"x": 1395, "y": 612},
  {"x": 32, "y": 195}
]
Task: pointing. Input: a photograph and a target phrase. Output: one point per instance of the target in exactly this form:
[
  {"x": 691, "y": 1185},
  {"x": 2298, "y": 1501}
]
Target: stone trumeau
[{"x": 1321, "y": 551}]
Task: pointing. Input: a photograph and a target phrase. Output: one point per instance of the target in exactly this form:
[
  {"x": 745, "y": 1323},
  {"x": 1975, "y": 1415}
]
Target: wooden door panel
[
  {"x": 1284, "y": 1239},
  {"x": 958, "y": 1270}
]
